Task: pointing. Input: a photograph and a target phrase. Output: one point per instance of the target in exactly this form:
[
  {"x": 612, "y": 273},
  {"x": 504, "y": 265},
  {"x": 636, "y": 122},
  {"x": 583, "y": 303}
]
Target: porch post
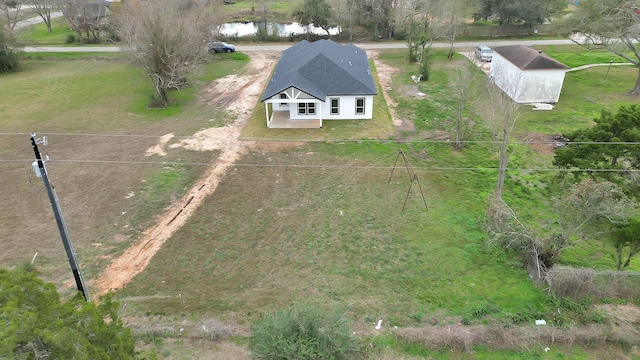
[
  {"x": 320, "y": 112},
  {"x": 266, "y": 110}
]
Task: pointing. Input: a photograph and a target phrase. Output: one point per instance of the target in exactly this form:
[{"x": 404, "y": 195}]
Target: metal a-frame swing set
[{"x": 413, "y": 178}]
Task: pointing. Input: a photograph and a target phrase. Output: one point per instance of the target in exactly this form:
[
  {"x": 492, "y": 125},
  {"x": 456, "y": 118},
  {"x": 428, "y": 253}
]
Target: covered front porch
[{"x": 280, "y": 119}]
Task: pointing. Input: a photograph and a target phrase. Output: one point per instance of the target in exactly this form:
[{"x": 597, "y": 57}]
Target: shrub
[
  {"x": 71, "y": 38},
  {"x": 303, "y": 332},
  {"x": 9, "y": 60},
  {"x": 425, "y": 65}
]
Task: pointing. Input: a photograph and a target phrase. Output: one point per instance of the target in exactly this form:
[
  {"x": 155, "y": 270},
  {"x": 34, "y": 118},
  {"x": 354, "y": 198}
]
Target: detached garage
[{"x": 527, "y": 75}]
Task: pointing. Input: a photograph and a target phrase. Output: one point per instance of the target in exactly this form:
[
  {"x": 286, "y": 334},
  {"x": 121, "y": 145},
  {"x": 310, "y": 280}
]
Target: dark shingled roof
[
  {"x": 322, "y": 68},
  {"x": 527, "y": 58}
]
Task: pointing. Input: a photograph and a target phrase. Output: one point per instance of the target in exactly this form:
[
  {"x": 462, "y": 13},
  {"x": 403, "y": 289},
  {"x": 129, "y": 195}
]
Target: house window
[
  {"x": 359, "y": 106},
  {"x": 306, "y": 108},
  {"x": 283, "y": 96},
  {"x": 335, "y": 106}
]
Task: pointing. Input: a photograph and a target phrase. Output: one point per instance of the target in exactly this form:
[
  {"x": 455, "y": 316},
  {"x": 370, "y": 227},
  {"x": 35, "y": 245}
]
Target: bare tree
[
  {"x": 500, "y": 114},
  {"x": 44, "y": 8},
  {"x": 462, "y": 80},
  {"x": 10, "y": 10},
  {"x": 86, "y": 19},
  {"x": 610, "y": 24},
  {"x": 345, "y": 14},
  {"x": 165, "y": 38},
  {"x": 378, "y": 13},
  {"x": 574, "y": 218},
  {"x": 264, "y": 11}
]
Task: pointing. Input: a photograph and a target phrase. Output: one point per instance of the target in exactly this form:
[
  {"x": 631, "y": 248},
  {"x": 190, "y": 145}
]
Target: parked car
[
  {"x": 220, "y": 46},
  {"x": 484, "y": 53}
]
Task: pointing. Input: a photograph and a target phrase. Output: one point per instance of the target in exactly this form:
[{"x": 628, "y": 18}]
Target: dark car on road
[{"x": 220, "y": 46}]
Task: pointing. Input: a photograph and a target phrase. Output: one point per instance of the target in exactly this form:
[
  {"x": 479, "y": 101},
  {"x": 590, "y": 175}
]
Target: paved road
[
  {"x": 279, "y": 47},
  {"x": 36, "y": 19}
]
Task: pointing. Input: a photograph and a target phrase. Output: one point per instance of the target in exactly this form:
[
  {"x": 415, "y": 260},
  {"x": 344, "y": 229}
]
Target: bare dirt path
[
  {"x": 384, "y": 77},
  {"x": 237, "y": 94}
]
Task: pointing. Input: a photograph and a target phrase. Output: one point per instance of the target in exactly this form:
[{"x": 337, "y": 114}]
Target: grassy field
[
  {"x": 94, "y": 114},
  {"x": 247, "y": 10},
  {"x": 316, "y": 221},
  {"x": 584, "y": 95},
  {"x": 39, "y": 35}
]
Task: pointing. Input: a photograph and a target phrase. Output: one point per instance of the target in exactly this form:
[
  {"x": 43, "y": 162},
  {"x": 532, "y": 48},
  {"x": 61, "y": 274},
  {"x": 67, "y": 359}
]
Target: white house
[
  {"x": 527, "y": 75},
  {"x": 319, "y": 81}
]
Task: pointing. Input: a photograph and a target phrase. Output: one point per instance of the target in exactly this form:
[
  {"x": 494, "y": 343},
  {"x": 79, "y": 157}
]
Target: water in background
[{"x": 240, "y": 29}]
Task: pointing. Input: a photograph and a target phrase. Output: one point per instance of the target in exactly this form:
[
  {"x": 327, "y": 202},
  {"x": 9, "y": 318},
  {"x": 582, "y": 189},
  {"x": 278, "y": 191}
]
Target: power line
[
  {"x": 396, "y": 141},
  {"x": 93, "y": 134},
  {"x": 345, "y": 167}
]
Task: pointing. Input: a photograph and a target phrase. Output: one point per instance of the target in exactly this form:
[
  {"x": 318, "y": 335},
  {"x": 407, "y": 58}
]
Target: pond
[{"x": 240, "y": 29}]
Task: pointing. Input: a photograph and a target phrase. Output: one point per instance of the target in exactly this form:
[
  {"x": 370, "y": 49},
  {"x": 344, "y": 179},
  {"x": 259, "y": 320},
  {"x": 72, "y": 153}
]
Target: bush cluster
[{"x": 303, "y": 332}]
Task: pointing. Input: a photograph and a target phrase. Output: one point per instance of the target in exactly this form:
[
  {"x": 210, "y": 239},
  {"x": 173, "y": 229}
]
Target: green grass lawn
[
  {"x": 317, "y": 222},
  {"x": 575, "y": 55},
  {"x": 343, "y": 241},
  {"x": 585, "y": 93},
  {"x": 39, "y": 35}
]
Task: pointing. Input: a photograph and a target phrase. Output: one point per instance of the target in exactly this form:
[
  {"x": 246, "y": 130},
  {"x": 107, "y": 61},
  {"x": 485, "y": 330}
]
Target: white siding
[
  {"x": 505, "y": 75},
  {"x": 527, "y": 86},
  {"x": 541, "y": 86},
  {"x": 347, "y": 109}
]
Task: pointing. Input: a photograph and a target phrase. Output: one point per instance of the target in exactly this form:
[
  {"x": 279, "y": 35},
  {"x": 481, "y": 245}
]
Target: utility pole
[{"x": 40, "y": 170}]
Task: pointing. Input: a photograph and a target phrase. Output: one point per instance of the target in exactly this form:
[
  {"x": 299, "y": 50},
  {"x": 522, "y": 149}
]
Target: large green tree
[
  {"x": 607, "y": 150},
  {"x": 610, "y": 24},
  {"x": 37, "y": 325},
  {"x": 626, "y": 240}
]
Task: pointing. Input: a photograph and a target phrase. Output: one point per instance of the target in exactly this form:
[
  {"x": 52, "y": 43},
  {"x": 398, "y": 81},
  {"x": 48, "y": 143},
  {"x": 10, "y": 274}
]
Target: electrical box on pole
[{"x": 41, "y": 172}]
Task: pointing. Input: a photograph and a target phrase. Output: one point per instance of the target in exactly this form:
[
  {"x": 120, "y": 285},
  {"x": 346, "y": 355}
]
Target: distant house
[
  {"x": 527, "y": 75},
  {"x": 319, "y": 81}
]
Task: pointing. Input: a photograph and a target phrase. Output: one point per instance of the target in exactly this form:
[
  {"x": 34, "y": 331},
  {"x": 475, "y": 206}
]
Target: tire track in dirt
[
  {"x": 384, "y": 77},
  {"x": 238, "y": 94}
]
